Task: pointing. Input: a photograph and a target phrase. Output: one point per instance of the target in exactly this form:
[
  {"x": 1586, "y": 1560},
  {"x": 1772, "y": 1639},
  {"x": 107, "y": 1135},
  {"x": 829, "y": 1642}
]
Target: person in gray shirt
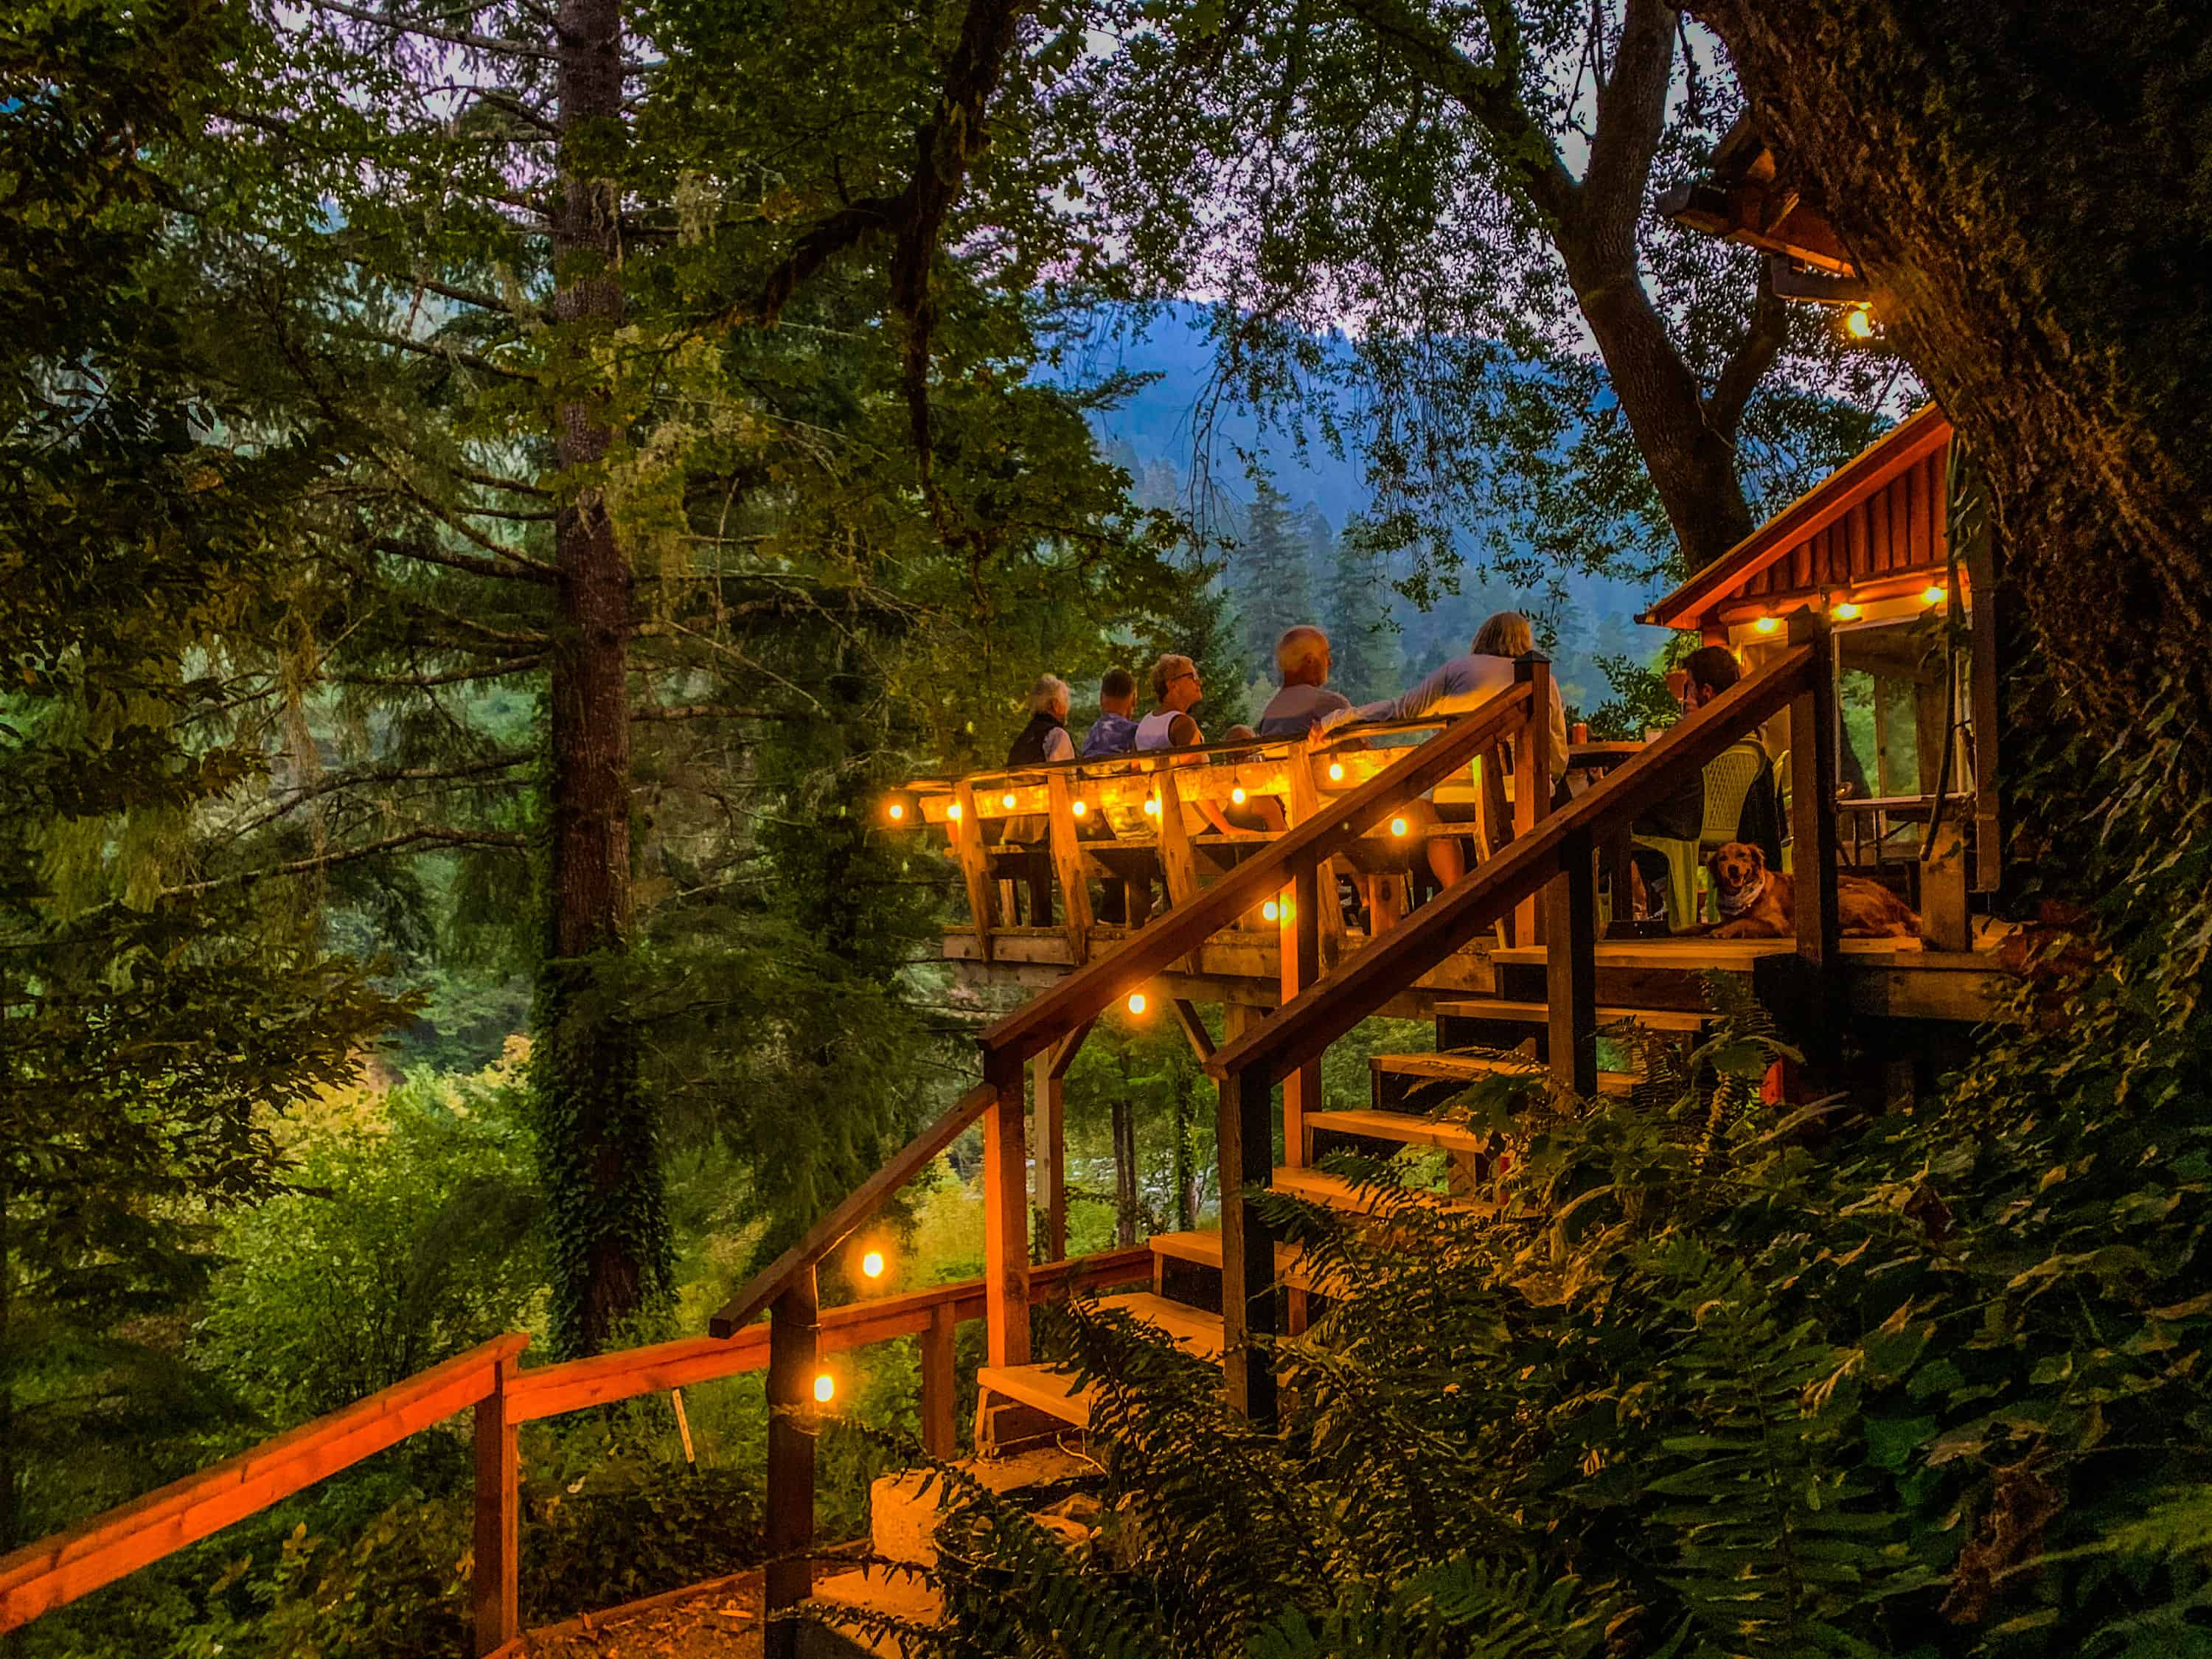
[{"x": 1302, "y": 662}]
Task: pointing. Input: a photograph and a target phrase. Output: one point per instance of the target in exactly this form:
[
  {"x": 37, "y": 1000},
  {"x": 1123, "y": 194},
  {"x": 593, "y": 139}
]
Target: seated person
[
  {"x": 1114, "y": 731},
  {"x": 1178, "y": 688},
  {"x": 1461, "y": 685},
  {"x": 1045, "y": 739},
  {"x": 1712, "y": 669},
  {"x": 1467, "y": 682},
  {"x": 1302, "y": 662}
]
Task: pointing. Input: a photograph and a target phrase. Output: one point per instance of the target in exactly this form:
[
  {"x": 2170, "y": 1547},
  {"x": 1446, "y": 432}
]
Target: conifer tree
[
  {"x": 1268, "y": 570},
  {"x": 1356, "y": 611}
]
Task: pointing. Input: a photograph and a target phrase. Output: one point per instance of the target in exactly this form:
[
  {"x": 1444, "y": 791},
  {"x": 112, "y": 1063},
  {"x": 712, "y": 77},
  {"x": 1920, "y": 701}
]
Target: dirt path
[{"x": 718, "y": 1619}]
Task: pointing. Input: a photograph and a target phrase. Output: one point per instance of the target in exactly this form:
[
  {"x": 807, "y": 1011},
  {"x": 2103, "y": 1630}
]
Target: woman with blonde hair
[{"x": 1468, "y": 682}]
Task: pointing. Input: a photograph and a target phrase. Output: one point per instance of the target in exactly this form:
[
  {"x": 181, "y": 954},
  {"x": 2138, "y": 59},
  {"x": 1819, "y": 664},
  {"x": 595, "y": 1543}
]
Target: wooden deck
[{"x": 1897, "y": 979}]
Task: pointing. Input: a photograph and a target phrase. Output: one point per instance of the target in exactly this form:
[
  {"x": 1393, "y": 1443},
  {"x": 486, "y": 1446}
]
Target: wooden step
[
  {"x": 1318, "y": 1187},
  {"x": 1539, "y": 1013},
  {"x": 1407, "y": 1128},
  {"x": 1733, "y": 956},
  {"x": 1041, "y": 1388},
  {"x": 1473, "y": 1069},
  {"x": 1203, "y": 1249},
  {"x": 1194, "y": 1330}
]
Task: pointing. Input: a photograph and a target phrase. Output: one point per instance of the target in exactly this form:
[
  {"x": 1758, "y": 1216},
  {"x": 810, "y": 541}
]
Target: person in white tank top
[{"x": 1175, "y": 684}]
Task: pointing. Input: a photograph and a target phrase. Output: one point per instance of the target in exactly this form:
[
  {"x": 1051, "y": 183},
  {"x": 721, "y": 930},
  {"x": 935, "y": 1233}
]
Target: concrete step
[
  {"x": 1406, "y": 1127},
  {"x": 1473, "y": 1069},
  {"x": 1540, "y": 1013},
  {"x": 903, "y": 1508}
]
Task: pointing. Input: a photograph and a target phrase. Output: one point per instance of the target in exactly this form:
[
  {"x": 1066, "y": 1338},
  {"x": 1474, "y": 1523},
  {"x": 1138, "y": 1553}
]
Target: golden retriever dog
[{"x": 1757, "y": 903}]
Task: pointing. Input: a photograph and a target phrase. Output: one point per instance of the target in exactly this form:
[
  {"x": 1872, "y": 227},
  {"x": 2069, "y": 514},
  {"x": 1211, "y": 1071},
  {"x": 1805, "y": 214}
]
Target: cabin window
[{"x": 1896, "y": 707}]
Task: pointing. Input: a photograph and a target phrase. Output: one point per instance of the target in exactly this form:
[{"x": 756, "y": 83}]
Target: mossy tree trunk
[
  {"x": 2023, "y": 185},
  {"x": 599, "y": 1137}
]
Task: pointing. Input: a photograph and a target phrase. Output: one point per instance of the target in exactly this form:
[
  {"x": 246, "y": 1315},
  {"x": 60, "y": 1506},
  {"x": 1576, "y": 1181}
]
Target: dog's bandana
[{"x": 1737, "y": 903}]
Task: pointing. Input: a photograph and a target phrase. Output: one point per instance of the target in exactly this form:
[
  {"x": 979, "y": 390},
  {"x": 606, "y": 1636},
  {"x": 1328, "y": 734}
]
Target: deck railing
[
  {"x": 490, "y": 1381},
  {"x": 1557, "y": 860}
]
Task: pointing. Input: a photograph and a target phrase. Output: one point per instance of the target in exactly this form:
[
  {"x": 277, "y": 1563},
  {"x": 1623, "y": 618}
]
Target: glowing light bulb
[
  {"x": 1136, "y": 1002},
  {"x": 898, "y": 812},
  {"x": 825, "y": 1389},
  {"x": 1858, "y": 322},
  {"x": 1152, "y": 809},
  {"x": 1271, "y": 910},
  {"x": 1080, "y": 809},
  {"x": 871, "y": 1264},
  {"x": 1006, "y": 800},
  {"x": 1336, "y": 771},
  {"x": 1236, "y": 794},
  {"x": 953, "y": 812},
  {"x": 1397, "y": 826},
  {"x": 1932, "y": 595},
  {"x": 1845, "y": 610},
  {"x": 1767, "y": 624}
]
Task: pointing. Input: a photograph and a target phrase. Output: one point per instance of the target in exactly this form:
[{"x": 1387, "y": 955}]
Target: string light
[
  {"x": 1767, "y": 624},
  {"x": 1336, "y": 771},
  {"x": 953, "y": 812},
  {"x": 1136, "y": 1002},
  {"x": 1006, "y": 800},
  {"x": 1397, "y": 826},
  {"x": 825, "y": 1389},
  {"x": 871, "y": 1264},
  {"x": 1271, "y": 910},
  {"x": 1932, "y": 595},
  {"x": 898, "y": 812},
  {"x": 1846, "y": 610},
  {"x": 1080, "y": 809},
  {"x": 1236, "y": 794},
  {"x": 1858, "y": 322},
  {"x": 1152, "y": 807}
]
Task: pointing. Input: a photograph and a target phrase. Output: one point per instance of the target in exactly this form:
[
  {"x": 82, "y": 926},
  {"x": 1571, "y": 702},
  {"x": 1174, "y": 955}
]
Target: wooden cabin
[{"x": 1915, "y": 660}]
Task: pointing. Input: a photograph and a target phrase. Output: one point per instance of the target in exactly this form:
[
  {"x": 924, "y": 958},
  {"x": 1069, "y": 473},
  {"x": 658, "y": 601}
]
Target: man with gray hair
[
  {"x": 1045, "y": 739},
  {"x": 1305, "y": 703}
]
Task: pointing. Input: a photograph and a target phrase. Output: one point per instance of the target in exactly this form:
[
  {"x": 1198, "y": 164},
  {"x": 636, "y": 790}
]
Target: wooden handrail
[
  {"x": 55, "y": 1571},
  {"x": 863, "y": 1201},
  {"x": 1042, "y": 1021},
  {"x": 1303, "y": 1028}
]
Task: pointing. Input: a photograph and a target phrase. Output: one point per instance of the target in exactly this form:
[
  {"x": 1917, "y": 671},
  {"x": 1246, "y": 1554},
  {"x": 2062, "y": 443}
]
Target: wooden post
[
  {"x": 495, "y": 1584},
  {"x": 1943, "y": 921},
  {"x": 1813, "y": 738},
  {"x": 937, "y": 1378},
  {"x": 1532, "y": 779},
  {"x": 1006, "y": 1221},
  {"x": 794, "y": 1338},
  {"x": 1301, "y": 967},
  {"x": 967, "y": 836},
  {"x": 1068, "y": 864},
  {"x": 1570, "y": 966},
  {"x": 1047, "y": 1146},
  {"x": 1305, "y": 802},
  {"x": 1244, "y": 1135}
]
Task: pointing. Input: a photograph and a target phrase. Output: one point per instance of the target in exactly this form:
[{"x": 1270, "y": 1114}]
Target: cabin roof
[{"x": 1878, "y": 515}]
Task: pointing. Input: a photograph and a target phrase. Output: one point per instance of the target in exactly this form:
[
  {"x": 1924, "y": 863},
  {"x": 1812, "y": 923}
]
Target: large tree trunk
[
  {"x": 599, "y": 1145},
  {"x": 2022, "y": 184}
]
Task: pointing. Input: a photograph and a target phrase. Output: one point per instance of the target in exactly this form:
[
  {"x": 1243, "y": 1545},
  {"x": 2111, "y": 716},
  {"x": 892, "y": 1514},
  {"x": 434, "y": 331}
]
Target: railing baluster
[
  {"x": 939, "y": 1437},
  {"x": 1301, "y": 967},
  {"x": 1068, "y": 864},
  {"x": 793, "y": 1350},
  {"x": 1532, "y": 779},
  {"x": 966, "y": 836},
  {"x": 1048, "y": 1149}
]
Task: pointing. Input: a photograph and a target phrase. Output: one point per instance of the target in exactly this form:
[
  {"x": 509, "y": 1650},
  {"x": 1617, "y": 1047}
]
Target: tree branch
[
  {"x": 1747, "y": 364},
  {"x": 707, "y": 711},
  {"x": 435, "y": 836},
  {"x": 1632, "y": 120},
  {"x": 507, "y": 566},
  {"x": 432, "y": 32},
  {"x": 451, "y": 677},
  {"x": 332, "y": 786}
]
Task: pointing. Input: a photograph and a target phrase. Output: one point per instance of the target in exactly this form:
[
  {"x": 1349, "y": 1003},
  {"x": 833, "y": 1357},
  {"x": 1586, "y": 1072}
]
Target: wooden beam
[
  {"x": 1063, "y": 1055},
  {"x": 966, "y": 837},
  {"x": 1006, "y": 1222},
  {"x": 1068, "y": 864},
  {"x": 1193, "y": 1028}
]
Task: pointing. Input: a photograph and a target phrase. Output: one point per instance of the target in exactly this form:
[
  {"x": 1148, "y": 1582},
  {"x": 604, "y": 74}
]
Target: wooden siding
[{"x": 1894, "y": 531}]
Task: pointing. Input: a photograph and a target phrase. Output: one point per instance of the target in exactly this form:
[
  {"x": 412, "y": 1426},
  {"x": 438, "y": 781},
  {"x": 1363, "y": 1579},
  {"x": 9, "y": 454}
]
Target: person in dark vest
[
  {"x": 1045, "y": 739},
  {"x": 1114, "y": 731}
]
